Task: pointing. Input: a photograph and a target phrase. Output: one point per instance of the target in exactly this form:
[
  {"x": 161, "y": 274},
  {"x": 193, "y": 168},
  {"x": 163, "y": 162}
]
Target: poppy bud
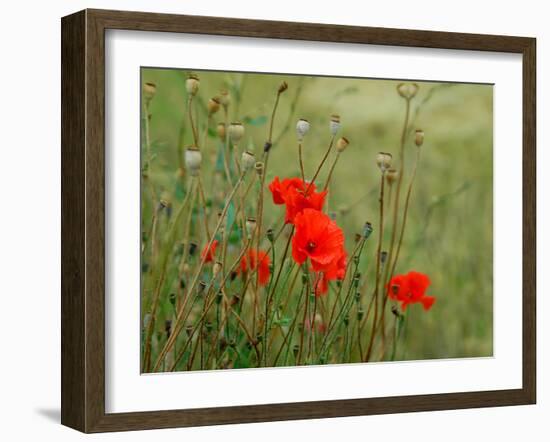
[
  {"x": 259, "y": 166},
  {"x": 172, "y": 298},
  {"x": 391, "y": 176},
  {"x": 247, "y": 161},
  {"x": 168, "y": 327},
  {"x": 419, "y": 137},
  {"x": 192, "y": 84},
  {"x": 213, "y": 105},
  {"x": 235, "y": 299},
  {"x": 302, "y": 127},
  {"x": 407, "y": 90},
  {"x": 296, "y": 350},
  {"x": 383, "y": 256},
  {"x": 341, "y": 144},
  {"x": 383, "y": 159},
  {"x": 236, "y": 132},
  {"x": 225, "y": 98},
  {"x": 270, "y": 235},
  {"x": 395, "y": 311},
  {"x": 192, "y": 248},
  {"x": 267, "y": 146},
  {"x": 360, "y": 313},
  {"x": 220, "y": 129},
  {"x": 334, "y": 124},
  {"x": 149, "y": 91},
  {"x": 283, "y": 87},
  {"x": 193, "y": 159},
  {"x": 367, "y": 229},
  {"x": 250, "y": 226}
]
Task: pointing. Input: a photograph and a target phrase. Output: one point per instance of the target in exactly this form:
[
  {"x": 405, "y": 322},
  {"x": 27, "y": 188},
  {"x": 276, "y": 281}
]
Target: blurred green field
[{"x": 449, "y": 231}]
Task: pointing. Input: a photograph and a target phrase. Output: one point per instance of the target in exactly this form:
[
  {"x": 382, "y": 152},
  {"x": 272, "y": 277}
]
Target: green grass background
[{"x": 449, "y": 230}]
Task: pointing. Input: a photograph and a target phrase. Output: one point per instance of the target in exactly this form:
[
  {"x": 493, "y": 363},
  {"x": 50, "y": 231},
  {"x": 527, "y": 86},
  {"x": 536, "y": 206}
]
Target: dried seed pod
[
  {"x": 407, "y": 90},
  {"x": 247, "y": 161},
  {"x": 419, "y": 137},
  {"x": 216, "y": 268},
  {"x": 259, "y": 166},
  {"x": 302, "y": 128},
  {"x": 193, "y": 159},
  {"x": 334, "y": 124},
  {"x": 149, "y": 91},
  {"x": 236, "y": 132},
  {"x": 391, "y": 176},
  {"x": 225, "y": 98},
  {"x": 192, "y": 84},
  {"x": 220, "y": 129},
  {"x": 213, "y": 105},
  {"x": 341, "y": 144},
  {"x": 383, "y": 159},
  {"x": 250, "y": 226}
]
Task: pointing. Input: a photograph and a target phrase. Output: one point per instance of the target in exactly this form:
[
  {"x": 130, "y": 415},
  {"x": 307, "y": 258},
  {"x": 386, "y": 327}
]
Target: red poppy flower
[
  {"x": 318, "y": 238},
  {"x": 410, "y": 288},
  {"x": 208, "y": 253},
  {"x": 297, "y": 195},
  {"x": 250, "y": 261}
]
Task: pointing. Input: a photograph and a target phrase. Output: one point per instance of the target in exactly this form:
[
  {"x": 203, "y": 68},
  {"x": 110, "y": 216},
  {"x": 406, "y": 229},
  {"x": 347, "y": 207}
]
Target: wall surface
[{"x": 30, "y": 221}]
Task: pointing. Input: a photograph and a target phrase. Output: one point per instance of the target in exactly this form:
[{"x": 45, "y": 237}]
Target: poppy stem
[
  {"x": 387, "y": 275},
  {"x": 378, "y": 264},
  {"x": 301, "y": 162},
  {"x": 329, "y": 177},
  {"x": 320, "y": 165},
  {"x": 191, "y": 122}
]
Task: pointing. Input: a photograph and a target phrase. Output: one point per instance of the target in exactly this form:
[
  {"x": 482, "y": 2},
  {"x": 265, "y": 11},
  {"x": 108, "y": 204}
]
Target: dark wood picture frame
[{"x": 83, "y": 220}]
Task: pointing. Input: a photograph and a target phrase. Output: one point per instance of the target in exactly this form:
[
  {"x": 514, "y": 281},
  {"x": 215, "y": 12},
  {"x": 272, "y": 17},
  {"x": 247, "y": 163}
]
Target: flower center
[{"x": 311, "y": 246}]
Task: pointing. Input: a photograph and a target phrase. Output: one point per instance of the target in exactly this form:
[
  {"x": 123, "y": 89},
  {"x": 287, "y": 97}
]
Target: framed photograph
[{"x": 266, "y": 221}]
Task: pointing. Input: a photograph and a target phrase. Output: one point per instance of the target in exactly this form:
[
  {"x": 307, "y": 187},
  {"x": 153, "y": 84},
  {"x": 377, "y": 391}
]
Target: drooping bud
[
  {"x": 247, "y": 161},
  {"x": 213, "y": 105},
  {"x": 236, "y": 132},
  {"x": 193, "y": 159},
  {"x": 192, "y": 84},
  {"x": 302, "y": 127},
  {"x": 341, "y": 144},
  {"x": 419, "y": 137},
  {"x": 334, "y": 124},
  {"x": 270, "y": 235},
  {"x": 283, "y": 87},
  {"x": 383, "y": 159}
]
